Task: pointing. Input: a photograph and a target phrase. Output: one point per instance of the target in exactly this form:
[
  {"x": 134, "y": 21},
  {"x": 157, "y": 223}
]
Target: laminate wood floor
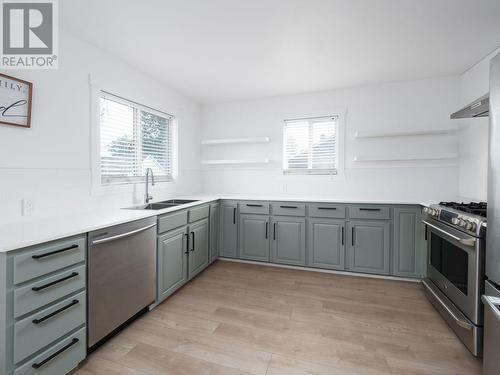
[{"x": 244, "y": 319}]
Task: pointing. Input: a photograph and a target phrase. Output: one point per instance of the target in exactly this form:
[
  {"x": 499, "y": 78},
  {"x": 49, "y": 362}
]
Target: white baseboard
[{"x": 302, "y": 268}]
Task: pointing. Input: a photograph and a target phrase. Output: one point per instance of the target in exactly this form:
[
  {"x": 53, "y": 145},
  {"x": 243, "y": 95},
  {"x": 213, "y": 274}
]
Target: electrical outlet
[{"x": 27, "y": 207}]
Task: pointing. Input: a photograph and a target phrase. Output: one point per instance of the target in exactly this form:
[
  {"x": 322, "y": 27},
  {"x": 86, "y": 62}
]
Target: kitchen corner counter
[{"x": 31, "y": 231}]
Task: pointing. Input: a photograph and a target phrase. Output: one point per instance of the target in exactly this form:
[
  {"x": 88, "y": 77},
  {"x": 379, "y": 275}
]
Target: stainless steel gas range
[{"x": 455, "y": 234}]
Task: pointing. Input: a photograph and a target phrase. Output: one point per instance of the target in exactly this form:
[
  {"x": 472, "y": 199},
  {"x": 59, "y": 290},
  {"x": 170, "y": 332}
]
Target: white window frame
[
  {"x": 339, "y": 114},
  {"x": 102, "y": 85}
]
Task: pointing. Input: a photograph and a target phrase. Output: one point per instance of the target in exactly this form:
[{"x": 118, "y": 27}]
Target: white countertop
[
  {"x": 24, "y": 233},
  {"x": 32, "y": 231}
]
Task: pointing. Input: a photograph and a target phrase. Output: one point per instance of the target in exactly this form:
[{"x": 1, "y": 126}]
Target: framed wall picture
[{"x": 15, "y": 101}]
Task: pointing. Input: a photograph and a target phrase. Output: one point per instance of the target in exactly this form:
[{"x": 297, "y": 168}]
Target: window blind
[
  {"x": 310, "y": 146},
  {"x": 133, "y": 138}
]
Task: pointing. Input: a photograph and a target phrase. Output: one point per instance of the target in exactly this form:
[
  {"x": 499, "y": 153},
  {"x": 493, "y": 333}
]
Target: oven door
[{"x": 456, "y": 265}]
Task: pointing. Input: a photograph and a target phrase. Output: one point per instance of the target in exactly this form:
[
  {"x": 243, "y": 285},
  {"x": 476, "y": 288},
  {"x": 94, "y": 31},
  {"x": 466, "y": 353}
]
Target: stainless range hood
[{"x": 478, "y": 108}]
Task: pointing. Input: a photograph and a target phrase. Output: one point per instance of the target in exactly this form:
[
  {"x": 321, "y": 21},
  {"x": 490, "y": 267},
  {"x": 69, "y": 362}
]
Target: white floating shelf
[
  {"x": 359, "y": 134},
  {"x": 229, "y": 141},
  {"x": 228, "y": 162},
  {"x": 363, "y": 159}
]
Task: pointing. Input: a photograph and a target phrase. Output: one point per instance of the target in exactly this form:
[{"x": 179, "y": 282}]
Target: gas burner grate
[{"x": 475, "y": 208}]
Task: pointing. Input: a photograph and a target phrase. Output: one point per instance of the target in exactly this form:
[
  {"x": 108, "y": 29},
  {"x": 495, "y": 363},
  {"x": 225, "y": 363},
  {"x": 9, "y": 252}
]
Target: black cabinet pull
[
  {"x": 267, "y": 230},
  {"x": 288, "y": 206},
  {"x": 327, "y": 208},
  {"x": 39, "y": 256},
  {"x": 41, "y": 287},
  {"x": 274, "y": 231},
  {"x": 253, "y": 205},
  {"x": 192, "y": 234},
  {"x": 352, "y": 236},
  {"x": 52, "y": 356},
  {"x": 369, "y": 209},
  {"x": 73, "y": 303},
  {"x": 187, "y": 243},
  {"x": 342, "y": 236},
  {"x": 234, "y": 215},
  {"x": 425, "y": 232}
]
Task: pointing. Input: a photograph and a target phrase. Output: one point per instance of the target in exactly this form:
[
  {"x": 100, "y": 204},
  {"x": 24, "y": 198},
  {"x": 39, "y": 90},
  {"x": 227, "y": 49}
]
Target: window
[
  {"x": 311, "y": 146},
  {"x": 133, "y": 138}
]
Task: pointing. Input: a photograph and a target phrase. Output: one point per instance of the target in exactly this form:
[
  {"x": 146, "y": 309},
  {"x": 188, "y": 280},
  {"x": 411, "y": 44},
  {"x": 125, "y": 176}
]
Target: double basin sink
[{"x": 164, "y": 204}]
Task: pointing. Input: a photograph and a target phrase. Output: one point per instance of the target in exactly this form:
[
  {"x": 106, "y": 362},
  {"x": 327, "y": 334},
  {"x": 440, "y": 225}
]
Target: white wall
[
  {"x": 50, "y": 163},
  {"x": 424, "y": 104},
  {"x": 473, "y": 135}
]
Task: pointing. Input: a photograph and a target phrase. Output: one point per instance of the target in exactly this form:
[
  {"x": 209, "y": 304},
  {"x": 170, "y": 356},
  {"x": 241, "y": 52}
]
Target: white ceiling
[{"x": 219, "y": 50}]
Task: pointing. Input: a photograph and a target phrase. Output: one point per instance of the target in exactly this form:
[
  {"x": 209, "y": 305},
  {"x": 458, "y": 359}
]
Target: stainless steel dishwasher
[{"x": 121, "y": 275}]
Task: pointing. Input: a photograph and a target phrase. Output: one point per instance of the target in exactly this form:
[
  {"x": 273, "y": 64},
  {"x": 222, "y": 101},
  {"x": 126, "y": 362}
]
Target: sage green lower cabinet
[
  {"x": 43, "y": 307},
  {"x": 228, "y": 230},
  {"x": 369, "y": 247},
  {"x": 198, "y": 250},
  {"x": 326, "y": 240},
  {"x": 254, "y": 237},
  {"x": 407, "y": 242},
  {"x": 172, "y": 262},
  {"x": 214, "y": 231},
  {"x": 289, "y": 240}
]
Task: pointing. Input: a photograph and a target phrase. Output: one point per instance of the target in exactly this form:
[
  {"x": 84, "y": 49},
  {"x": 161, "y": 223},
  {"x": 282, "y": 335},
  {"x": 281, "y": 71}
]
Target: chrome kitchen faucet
[{"x": 148, "y": 197}]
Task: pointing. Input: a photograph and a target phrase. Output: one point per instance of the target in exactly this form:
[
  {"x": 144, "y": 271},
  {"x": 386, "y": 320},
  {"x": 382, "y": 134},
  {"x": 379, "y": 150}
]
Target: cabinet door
[
  {"x": 369, "y": 246},
  {"x": 228, "y": 231},
  {"x": 407, "y": 242},
  {"x": 254, "y": 237},
  {"x": 214, "y": 232},
  {"x": 172, "y": 262},
  {"x": 198, "y": 247},
  {"x": 289, "y": 240},
  {"x": 326, "y": 243}
]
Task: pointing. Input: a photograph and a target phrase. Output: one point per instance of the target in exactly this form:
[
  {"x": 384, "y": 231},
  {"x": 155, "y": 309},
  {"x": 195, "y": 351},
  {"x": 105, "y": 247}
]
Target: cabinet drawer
[
  {"x": 50, "y": 257},
  {"x": 254, "y": 208},
  {"x": 60, "y": 358},
  {"x": 38, "y": 330},
  {"x": 369, "y": 212},
  {"x": 289, "y": 209},
  {"x": 198, "y": 213},
  {"x": 172, "y": 221},
  {"x": 334, "y": 211},
  {"x": 48, "y": 290}
]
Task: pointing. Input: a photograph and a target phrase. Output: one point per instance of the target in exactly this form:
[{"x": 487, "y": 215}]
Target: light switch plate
[{"x": 27, "y": 207}]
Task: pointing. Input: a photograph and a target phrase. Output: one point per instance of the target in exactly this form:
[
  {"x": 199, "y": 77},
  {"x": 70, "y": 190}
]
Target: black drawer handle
[
  {"x": 253, "y": 205},
  {"x": 342, "y": 236},
  {"x": 327, "y": 208},
  {"x": 274, "y": 231},
  {"x": 288, "y": 206},
  {"x": 369, "y": 209},
  {"x": 234, "y": 215},
  {"x": 39, "y": 256},
  {"x": 267, "y": 230},
  {"x": 192, "y": 234},
  {"x": 187, "y": 243},
  {"x": 73, "y": 303},
  {"x": 41, "y": 287},
  {"x": 52, "y": 356}
]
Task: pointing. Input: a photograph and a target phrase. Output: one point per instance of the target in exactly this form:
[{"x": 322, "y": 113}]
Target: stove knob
[
  {"x": 472, "y": 226},
  {"x": 426, "y": 210},
  {"x": 455, "y": 221},
  {"x": 462, "y": 223}
]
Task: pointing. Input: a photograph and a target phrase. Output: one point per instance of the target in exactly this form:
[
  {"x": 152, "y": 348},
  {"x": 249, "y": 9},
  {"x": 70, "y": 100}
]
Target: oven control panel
[{"x": 462, "y": 221}]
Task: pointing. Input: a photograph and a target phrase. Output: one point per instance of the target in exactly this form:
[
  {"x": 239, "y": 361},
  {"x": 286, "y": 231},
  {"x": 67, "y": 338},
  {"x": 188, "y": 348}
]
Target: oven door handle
[
  {"x": 464, "y": 241},
  {"x": 457, "y": 320}
]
